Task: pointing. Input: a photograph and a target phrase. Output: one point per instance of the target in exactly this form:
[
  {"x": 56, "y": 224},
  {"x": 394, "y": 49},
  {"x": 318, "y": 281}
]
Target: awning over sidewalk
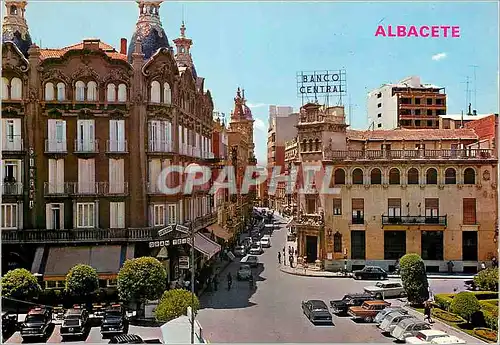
[
  {"x": 205, "y": 245},
  {"x": 219, "y": 231}
]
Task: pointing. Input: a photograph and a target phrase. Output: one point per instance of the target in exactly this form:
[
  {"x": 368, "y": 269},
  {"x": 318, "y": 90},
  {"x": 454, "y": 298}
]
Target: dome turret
[{"x": 15, "y": 27}]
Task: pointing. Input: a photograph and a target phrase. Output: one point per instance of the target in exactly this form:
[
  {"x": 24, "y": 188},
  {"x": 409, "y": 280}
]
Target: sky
[{"x": 261, "y": 46}]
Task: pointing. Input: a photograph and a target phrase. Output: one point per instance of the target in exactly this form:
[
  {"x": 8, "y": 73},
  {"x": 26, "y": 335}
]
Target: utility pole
[
  {"x": 475, "y": 85},
  {"x": 192, "y": 281}
]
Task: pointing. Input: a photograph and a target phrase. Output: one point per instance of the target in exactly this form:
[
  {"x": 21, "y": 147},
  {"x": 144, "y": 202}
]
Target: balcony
[
  {"x": 55, "y": 189},
  {"x": 12, "y": 188},
  {"x": 460, "y": 154},
  {"x": 358, "y": 220},
  {"x": 114, "y": 188},
  {"x": 86, "y": 146},
  {"x": 159, "y": 146},
  {"x": 12, "y": 143},
  {"x": 116, "y": 146},
  {"x": 414, "y": 220},
  {"x": 55, "y": 146}
]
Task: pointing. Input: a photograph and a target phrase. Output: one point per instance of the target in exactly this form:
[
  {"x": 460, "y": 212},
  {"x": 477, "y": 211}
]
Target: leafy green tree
[
  {"x": 465, "y": 304},
  {"x": 487, "y": 280},
  {"x": 82, "y": 280},
  {"x": 174, "y": 303},
  {"x": 141, "y": 279},
  {"x": 414, "y": 278},
  {"x": 20, "y": 284}
]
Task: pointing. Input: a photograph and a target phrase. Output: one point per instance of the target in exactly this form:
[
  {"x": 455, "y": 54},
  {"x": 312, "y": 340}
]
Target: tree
[
  {"x": 20, "y": 284},
  {"x": 82, "y": 280},
  {"x": 141, "y": 279},
  {"x": 174, "y": 303},
  {"x": 465, "y": 304},
  {"x": 414, "y": 278},
  {"x": 487, "y": 280}
]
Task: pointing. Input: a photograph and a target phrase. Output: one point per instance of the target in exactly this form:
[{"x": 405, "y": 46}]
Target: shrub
[
  {"x": 414, "y": 278},
  {"x": 443, "y": 300},
  {"x": 446, "y": 316},
  {"x": 174, "y": 303},
  {"x": 490, "y": 313},
  {"x": 465, "y": 304},
  {"x": 487, "y": 279},
  {"x": 486, "y": 333},
  {"x": 141, "y": 279},
  {"x": 20, "y": 284},
  {"x": 82, "y": 280},
  {"x": 484, "y": 295}
]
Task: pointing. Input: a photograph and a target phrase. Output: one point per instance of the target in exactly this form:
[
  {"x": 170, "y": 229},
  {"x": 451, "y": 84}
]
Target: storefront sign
[
  {"x": 32, "y": 178},
  {"x": 321, "y": 83},
  {"x": 166, "y": 243},
  {"x": 164, "y": 231},
  {"x": 184, "y": 262}
]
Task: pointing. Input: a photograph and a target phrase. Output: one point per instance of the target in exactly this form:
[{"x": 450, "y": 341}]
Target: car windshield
[
  {"x": 113, "y": 313},
  {"x": 35, "y": 318},
  {"x": 72, "y": 317},
  {"x": 318, "y": 305},
  {"x": 379, "y": 285},
  {"x": 346, "y": 298},
  {"x": 252, "y": 258},
  {"x": 405, "y": 323}
]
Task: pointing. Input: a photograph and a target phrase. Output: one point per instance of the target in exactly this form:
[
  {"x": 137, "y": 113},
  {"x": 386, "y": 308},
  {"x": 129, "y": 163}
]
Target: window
[
  {"x": 9, "y": 216},
  {"x": 394, "y": 244},
  {"x": 358, "y": 210},
  {"x": 16, "y": 89},
  {"x": 431, "y": 176},
  {"x": 405, "y": 100},
  {"x": 469, "y": 211},
  {"x": 417, "y": 111},
  {"x": 167, "y": 94},
  {"x": 450, "y": 176},
  {"x": 394, "y": 176},
  {"x": 116, "y": 176},
  {"x": 117, "y": 136},
  {"x": 394, "y": 210},
  {"x": 413, "y": 176},
  {"x": 337, "y": 207},
  {"x": 379, "y": 125},
  {"x": 429, "y": 101},
  {"x": 85, "y": 216},
  {"x": 117, "y": 215},
  {"x": 172, "y": 214},
  {"x": 92, "y": 91},
  {"x": 5, "y": 88},
  {"x": 61, "y": 92},
  {"x": 379, "y": 95},
  {"x": 357, "y": 176},
  {"x": 155, "y": 92},
  {"x": 339, "y": 176},
  {"x": 358, "y": 245},
  {"x": 376, "y": 176},
  {"x": 122, "y": 93},
  {"x": 80, "y": 91},
  {"x": 469, "y": 245},
  {"x": 49, "y": 92},
  {"x": 429, "y": 112},
  {"x": 337, "y": 242},
  {"x": 111, "y": 93},
  {"x": 11, "y": 174},
  {"x": 469, "y": 176},
  {"x": 417, "y": 123},
  {"x": 86, "y": 136},
  {"x": 311, "y": 205},
  {"x": 56, "y": 176},
  {"x": 86, "y": 176},
  {"x": 446, "y": 123},
  {"x": 417, "y": 101},
  {"x": 379, "y": 105},
  {"x": 379, "y": 115},
  {"x": 56, "y": 141},
  {"x": 54, "y": 217},
  {"x": 432, "y": 210},
  {"x": 158, "y": 215},
  {"x": 432, "y": 245}
]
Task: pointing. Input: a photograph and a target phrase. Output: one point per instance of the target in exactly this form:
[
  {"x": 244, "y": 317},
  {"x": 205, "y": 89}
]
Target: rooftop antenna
[
  {"x": 467, "y": 92},
  {"x": 475, "y": 87}
]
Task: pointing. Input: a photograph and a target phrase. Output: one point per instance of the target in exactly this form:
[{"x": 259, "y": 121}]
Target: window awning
[
  {"x": 205, "y": 245},
  {"x": 219, "y": 231}
]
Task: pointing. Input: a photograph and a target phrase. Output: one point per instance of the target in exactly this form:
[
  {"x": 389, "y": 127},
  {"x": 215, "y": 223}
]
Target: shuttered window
[
  {"x": 86, "y": 176},
  {"x": 469, "y": 211},
  {"x": 117, "y": 215},
  {"x": 337, "y": 207},
  {"x": 394, "y": 206},
  {"x": 116, "y": 176},
  {"x": 358, "y": 210},
  {"x": 431, "y": 208}
]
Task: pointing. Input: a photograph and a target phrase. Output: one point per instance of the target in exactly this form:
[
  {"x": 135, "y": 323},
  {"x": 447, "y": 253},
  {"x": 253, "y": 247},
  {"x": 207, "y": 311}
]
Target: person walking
[
  {"x": 279, "y": 258},
  {"x": 428, "y": 311},
  {"x": 483, "y": 266},
  {"x": 284, "y": 257},
  {"x": 291, "y": 260},
  {"x": 494, "y": 262},
  {"x": 229, "y": 280}
]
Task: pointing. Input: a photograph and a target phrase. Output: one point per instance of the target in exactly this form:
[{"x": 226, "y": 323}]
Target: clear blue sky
[{"x": 261, "y": 45}]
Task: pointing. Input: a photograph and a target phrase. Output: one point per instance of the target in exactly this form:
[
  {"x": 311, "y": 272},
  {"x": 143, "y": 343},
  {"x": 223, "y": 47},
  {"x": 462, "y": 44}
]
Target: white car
[
  {"x": 434, "y": 337},
  {"x": 388, "y": 289},
  {"x": 265, "y": 242},
  {"x": 256, "y": 249},
  {"x": 240, "y": 251}
]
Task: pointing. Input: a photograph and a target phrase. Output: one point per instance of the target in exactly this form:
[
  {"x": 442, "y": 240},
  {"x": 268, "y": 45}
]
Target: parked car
[
  {"x": 388, "y": 289},
  {"x": 244, "y": 272},
  {"x": 132, "y": 339},
  {"x": 265, "y": 242},
  {"x": 9, "y": 323},
  {"x": 251, "y": 260},
  {"x": 391, "y": 320},
  {"x": 240, "y": 251},
  {"x": 368, "y": 310},
  {"x": 349, "y": 300},
  {"x": 380, "y": 316},
  {"x": 409, "y": 328},
  {"x": 370, "y": 272},
  {"x": 75, "y": 322},
  {"x": 316, "y": 311},
  {"x": 432, "y": 336},
  {"x": 256, "y": 249},
  {"x": 471, "y": 285},
  {"x": 115, "y": 321},
  {"x": 37, "y": 323}
]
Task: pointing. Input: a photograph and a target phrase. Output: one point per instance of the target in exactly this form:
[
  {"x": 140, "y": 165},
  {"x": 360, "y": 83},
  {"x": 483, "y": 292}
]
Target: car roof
[
  {"x": 74, "y": 311},
  {"x": 37, "y": 310},
  {"x": 433, "y": 332},
  {"x": 317, "y": 303},
  {"x": 376, "y": 302},
  {"x": 409, "y": 321}
]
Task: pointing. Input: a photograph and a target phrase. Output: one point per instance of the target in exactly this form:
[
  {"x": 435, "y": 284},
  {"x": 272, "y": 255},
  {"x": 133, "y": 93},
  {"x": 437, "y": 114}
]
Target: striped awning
[{"x": 205, "y": 245}]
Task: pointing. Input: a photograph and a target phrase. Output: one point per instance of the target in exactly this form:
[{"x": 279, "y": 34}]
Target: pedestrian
[
  {"x": 428, "y": 311},
  {"x": 450, "y": 266},
  {"x": 483, "y": 266},
  {"x": 216, "y": 282},
  {"x": 229, "y": 280},
  {"x": 279, "y": 258},
  {"x": 296, "y": 254},
  {"x": 291, "y": 261},
  {"x": 494, "y": 262}
]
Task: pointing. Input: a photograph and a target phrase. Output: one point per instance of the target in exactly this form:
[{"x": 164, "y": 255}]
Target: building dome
[
  {"x": 15, "y": 27},
  {"x": 247, "y": 112}
]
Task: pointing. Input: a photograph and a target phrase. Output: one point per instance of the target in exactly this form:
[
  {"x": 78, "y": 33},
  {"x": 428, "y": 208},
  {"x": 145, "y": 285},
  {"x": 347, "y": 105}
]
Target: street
[{"x": 272, "y": 312}]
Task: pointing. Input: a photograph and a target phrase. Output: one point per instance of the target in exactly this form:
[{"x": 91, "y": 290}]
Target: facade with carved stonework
[
  {"x": 86, "y": 131},
  {"x": 428, "y": 191}
]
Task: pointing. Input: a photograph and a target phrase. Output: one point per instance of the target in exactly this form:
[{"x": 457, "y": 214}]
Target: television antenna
[{"x": 475, "y": 85}]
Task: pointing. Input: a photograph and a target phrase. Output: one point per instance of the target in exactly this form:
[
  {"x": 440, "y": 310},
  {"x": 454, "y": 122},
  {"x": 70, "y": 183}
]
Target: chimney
[
  {"x": 469, "y": 112},
  {"x": 474, "y": 112},
  {"x": 123, "y": 46}
]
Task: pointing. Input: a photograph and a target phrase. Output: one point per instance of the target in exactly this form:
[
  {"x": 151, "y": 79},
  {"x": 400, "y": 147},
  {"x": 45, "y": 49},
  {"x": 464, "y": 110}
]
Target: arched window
[
  {"x": 311, "y": 145},
  {"x": 450, "y": 176},
  {"x": 413, "y": 176},
  {"x": 337, "y": 242},
  {"x": 49, "y": 92},
  {"x": 394, "y": 176},
  {"x": 13, "y": 10},
  {"x": 80, "y": 91},
  {"x": 469, "y": 176},
  {"x": 16, "y": 88},
  {"x": 167, "y": 94},
  {"x": 339, "y": 176},
  {"x": 357, "y": 176},
  {"x": 5, "y": 88},
  {"x": 155, "y": 92},
  {"x": 316, "y": 142},
  {"x": 91, "y": 91},
  {"x": 61, "y": 92},
  {"x": 431, "y": 176},
  {"x": 376, "y": 176},
  {"x": 304, "y": 145},
  {"x": 122, "y": 93},
  {"x": 111, "y": 93}
]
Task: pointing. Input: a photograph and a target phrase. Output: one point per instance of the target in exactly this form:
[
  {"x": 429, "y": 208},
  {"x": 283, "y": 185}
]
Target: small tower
[
  {"x": 15, "y": 27},
  {"x": 183, "y": 53}
]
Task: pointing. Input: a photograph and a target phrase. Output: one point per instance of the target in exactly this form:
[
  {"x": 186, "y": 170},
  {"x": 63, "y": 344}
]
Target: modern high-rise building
[{"x": 406, "y": 104}]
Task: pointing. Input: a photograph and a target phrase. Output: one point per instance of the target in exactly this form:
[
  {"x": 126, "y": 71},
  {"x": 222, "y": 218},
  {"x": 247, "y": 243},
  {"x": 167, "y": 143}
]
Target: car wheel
[
  {"x": 402, "y": 294},
  {"x": 378, "y": 296},
  {"x": 369, "y": 319}
]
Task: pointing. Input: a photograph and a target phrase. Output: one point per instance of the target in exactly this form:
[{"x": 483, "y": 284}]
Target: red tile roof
[
  {"x": 413, "y": 134},
  {"x": 57, "y": 53},
  {"x": 485, "y": 128}
]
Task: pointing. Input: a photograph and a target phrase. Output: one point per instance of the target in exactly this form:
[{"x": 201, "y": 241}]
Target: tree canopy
[{"x": 141, "y": 279}]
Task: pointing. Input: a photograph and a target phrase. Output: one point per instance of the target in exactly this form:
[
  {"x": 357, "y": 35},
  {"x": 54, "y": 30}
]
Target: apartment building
[
  {"x": 86, "y": 132},
  {"x": 406, "y": 104},
  {"x": 426, "y": 191}
]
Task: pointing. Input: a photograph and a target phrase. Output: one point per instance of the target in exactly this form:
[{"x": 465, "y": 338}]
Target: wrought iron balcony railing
[
  {"x": 116, "y": 146},
  {"x": 414, "y": 220},
  {"x": 55, "y": 146},
  {"x": 466, "y": 154},
  {"x": 12, "y": 143},
  {"x": 12, "y": 188},
  {"x": 86, "y": 146},
  {"x": 160, "y": 146}
]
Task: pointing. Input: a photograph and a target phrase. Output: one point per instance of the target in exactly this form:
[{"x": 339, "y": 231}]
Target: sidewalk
[{"x": 219, "y": 267}]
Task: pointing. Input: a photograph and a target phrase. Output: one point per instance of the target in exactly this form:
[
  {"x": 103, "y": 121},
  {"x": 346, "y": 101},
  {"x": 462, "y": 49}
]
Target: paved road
[{"x": 272, "y": 313}]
